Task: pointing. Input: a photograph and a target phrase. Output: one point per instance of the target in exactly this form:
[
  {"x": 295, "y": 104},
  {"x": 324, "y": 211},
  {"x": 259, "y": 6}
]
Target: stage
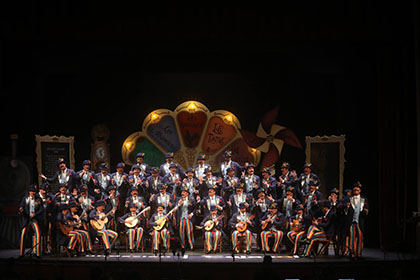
[{"x": 374, "y": 265}]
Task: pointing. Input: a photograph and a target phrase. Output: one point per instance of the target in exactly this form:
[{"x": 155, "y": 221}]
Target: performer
[
  {"x": 112, "y": 204},
  {"x": 136, "y": 180},
  {"x": 86, "y": 202},
  {"x": 161, "y": 229},
  {"x": 152, "y": 183},
  {"x": 85, "y": 242},
  {"x": 259, "y": 209},
  {"x": 134, "y": 198},
  {"x": 164, "y": 168},
  {"x": 250, "y": 180},
  {"x": 240, "y": 223},
  {"x": 162, "y": 198},
  {"x": 273, "y": 225},
  {"x": 31, "y": 212},
  {"x": 98, "y": 219},
  {"x": 185, "y": 215},
  {"x": 66, "y": 231},
  {"x": 47, "y": 221},
  {"x": 268, "y": 183},
  {"x": 191, "y": 183},
  {"x": 201, "y": 166},
  {"x": 289, "y": 203},
  {"x": 209, "y": 180},
  {"x": 86, "y": 176},
  {"x": 228, "y": 184},
  {"x": 312, "y": 199},
  {"x": 144, "y": 167},
  {"x": 304, "y": 178},
  {"x": 356, "y": 212},
  {"x": 64, "y": 176},
  {"x": 237, "y": 198},
  {"x": 173, "y": 180},
  {"x": 333, "y": 197},
  {"x": 298, "y": 225},
  {"x": 119, "y": 178},
  {"x": 134, "y": 230},
  {"x": 62, "y": 197},
  {"x": 322, "y": 229},
  {"x": 229, "y": 163},
  {"x": 212, "y": 200},
  {"x": 103, "y": 181},
  {"x": 212, "y": 224},
  {"x": 286, "y": 179}
]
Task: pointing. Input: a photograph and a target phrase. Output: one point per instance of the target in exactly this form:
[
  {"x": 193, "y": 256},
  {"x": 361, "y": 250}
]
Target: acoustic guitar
[
  {"x": 102, "y": 221},
  {"x": 131, "y": 222}
]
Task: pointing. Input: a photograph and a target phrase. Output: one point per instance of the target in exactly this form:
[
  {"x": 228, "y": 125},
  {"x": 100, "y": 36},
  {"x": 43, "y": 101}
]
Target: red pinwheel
[{"x": 270, "y": 138}]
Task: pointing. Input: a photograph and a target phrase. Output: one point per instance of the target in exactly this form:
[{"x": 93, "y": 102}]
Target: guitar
[
  {"x": 295, "y": 225},
  {"x": 102, "y": 221},
  {"x": 266, "y": 222},
  {"x": 131, "y": 222},
  {"x": 162, "y": 221},
  {"x": 210, "y": 224}
]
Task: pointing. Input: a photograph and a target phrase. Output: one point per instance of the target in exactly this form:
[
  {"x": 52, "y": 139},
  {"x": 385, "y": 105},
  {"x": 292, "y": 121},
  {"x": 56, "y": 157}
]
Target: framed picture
[
  {"x": 326, "y": 153},
  {"x": 48, "y": 150}
]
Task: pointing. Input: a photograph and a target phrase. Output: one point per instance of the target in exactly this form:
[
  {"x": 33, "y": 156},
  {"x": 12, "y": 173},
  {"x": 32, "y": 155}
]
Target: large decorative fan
[
  {"x": 191, "y": 129},
  {"x": 270, "y": 138}
]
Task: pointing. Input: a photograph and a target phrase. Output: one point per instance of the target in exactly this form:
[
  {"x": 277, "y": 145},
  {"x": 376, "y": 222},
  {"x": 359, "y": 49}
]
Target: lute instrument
[
  {"x": 132, "y": 221},
  {"x": 244, "y": 224},
  {"x": 162, "y": 221},
  {"x": 267, "y": 223},
  {"x": 210, "y": 224}
]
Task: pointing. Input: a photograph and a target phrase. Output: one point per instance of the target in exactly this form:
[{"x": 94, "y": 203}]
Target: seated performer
[
  {"x": 212, "y": 225},
  {"x": 98, "y": 220},
  {"x": 185, "y": 213},
  {"x": 298, "y": 224},
  {"x": 85, "y": 243},
  {"x": 161, "y": 224},
  {"x": 355, "y": 214},
  {"x": 66, "y": 231},
  {"x": 134, "y": 226},
  {"x": 240, "y": 224},
  {"x": 322, "y": 228},
  {"x": 272, "y": 225},
  {"x": 31, "y": 211}
]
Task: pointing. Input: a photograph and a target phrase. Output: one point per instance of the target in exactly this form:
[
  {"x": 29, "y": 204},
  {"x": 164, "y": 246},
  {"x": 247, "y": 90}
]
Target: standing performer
[
  {"x": 212, "y": 224},
  {"x": 134, "y": 198},
  {"x": 212, "y": 200},
  {"x": 289, "y": 203},
  {"x": 86, "y": 202},
  {"x": 134, "y": 224},
  {"x": 209, "y": 180},
  {"x": 185, "y": 213},
  {"x": 312, "y": 199},
  {"x": 64, "y": 176},
  {"x": 237, "y": 198},
  {"x": 144, "y": 167},
  {"x": 161, "y": 229},
  {"x": 173, "y": 180},
  {"x": 31, "y": 211},
  {"x": 322, "y": 229},
  {"x": 286, "y": 179},
  {"x": 119, "y": 178},
  {"x": 304, "y": 178},
  {"x": 356, "y": 212},
  {"x": 191, "y": 183},
  {"x": 201, "y": 166},
  {"x": 112, "y": 205},
  {"x": 240, "y": 224},
  {"x": 86, "y": 176},
  {"x": 98, "y": 220},
  {"x": 272, "y": 225},
  {"x": 137, "y": 180},
  {"x": 162, "y": 198},
  {"x": 250, "y": 180},
  {"x": 103, "y": 181},
  {"x": 229, "y": 183},
  {"x": 152, "y": 183},
  {"x": 268, "y": 183},
  {"x": 164, "y": 168},
  {"x": 229, "y": 163},
  {"x": 47, "y": 222}
]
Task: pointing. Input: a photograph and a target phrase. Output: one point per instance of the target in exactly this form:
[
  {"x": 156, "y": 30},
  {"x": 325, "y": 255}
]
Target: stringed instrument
[
  {"x": 210, "y": 224},
  {"x": 131, "y": 222},
  {"x": 162, "y": 221},
  {"x": 295, "y": 225},
  {"x": 243, "y": 225},
  {"x": 102, "y": 221},
  {"x": 265, "y": 225}
]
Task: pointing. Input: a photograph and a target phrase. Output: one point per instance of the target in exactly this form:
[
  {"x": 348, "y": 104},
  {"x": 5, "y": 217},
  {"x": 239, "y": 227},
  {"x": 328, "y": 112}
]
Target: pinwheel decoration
[{"x": 270, "y": 138}]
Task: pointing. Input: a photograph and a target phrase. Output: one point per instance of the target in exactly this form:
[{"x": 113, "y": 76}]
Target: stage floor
[{"x": 374, "y": 265}]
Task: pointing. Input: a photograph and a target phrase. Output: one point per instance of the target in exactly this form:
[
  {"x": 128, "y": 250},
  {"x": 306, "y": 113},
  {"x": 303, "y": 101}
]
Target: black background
[{"x": 331, "y": 67}]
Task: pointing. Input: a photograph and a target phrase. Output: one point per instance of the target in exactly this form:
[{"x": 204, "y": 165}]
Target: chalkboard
[{"x": 49, "y": 150}]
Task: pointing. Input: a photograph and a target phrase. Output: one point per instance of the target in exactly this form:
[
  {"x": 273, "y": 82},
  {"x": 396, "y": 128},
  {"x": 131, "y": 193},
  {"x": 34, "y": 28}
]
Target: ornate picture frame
[
  {"x": 326, "y": 153},
  {"x": 49, "y": 149}
]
